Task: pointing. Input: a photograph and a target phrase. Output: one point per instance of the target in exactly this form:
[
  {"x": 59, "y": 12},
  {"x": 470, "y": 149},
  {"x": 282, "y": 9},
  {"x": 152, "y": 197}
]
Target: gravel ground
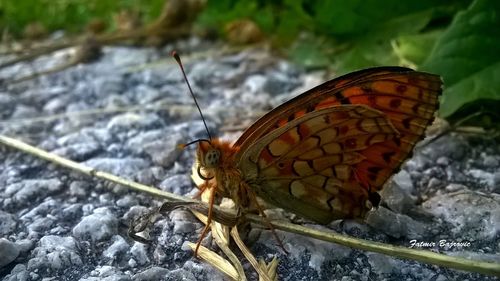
[{"x": 57, "y": 224}]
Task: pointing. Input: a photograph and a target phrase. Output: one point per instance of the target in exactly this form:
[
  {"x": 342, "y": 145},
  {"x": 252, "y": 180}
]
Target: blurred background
[{"x": 456, "y": 39}]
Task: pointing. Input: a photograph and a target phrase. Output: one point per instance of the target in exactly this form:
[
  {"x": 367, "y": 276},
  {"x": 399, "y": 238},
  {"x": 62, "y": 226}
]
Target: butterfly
[{"x": 324, "y": 154}]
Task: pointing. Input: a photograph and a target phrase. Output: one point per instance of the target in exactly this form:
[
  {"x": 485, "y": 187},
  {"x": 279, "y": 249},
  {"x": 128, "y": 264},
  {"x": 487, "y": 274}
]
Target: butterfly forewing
[
  {"x": 320, "y": 153},
  {"x": 309, "y": 161}
]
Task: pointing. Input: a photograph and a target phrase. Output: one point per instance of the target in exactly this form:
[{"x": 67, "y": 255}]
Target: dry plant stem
[
  {"x": 223, "y": 244},
  {"x": 46, "y": 72},
  {"x": 395, "y": 251},
  {"x": 229, "y": 254},
  {"x": 217, "y": 261},
  {"x": 237, "y": 239}
]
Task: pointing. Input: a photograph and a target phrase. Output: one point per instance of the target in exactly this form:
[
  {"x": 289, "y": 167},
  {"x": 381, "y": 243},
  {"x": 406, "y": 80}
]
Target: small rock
[
  {"x": 153, "y": 273},
  {"x": 98, "y": 227},
  {"x": 434, "y": 183},
  {"x": 496, "y": 180},
  {"x": 8, "y": 252},
  {"x": 145, "y": 94},
  {"x": 490, "y": 161},
  {"x": 23, "y": 111},
  {"x": 127, "y": 201},
  {"x": 79, "y": 188},
  {"x": 129, "y": 121},
  {"x": 395, "y": 225},
  {"x": 8, "y": 223},
  {"x": 118, "y": 247},
  {"x": 125, "y": 167},
  {"x": 140, "y": 253},
  {"x": 28, "y": 190},
  {"x": 40, "y": 225},
  {"x": 78, "y": 152},
  {"x": 453, "y": 187},
  {"x": 447, "y": 146},
  {"x": 161, "y": 146},
  {"x": 383, "y": 264},
  {"x": 181, "y": 227},
  {"x": 107, "y": 85},
  {"x": 397, "y": 193},
  {"x": 178, "y": 184},
  {"x": 278, "y": 83},
  {"x": 483, "y": 177},
  {"x": 473, "y": 215},
  {"x": 443, "y": 161},
  {"x": 18, "y": 273},
  {"x": 56, "y": 253},
  {"x": 255, "y": 83}
]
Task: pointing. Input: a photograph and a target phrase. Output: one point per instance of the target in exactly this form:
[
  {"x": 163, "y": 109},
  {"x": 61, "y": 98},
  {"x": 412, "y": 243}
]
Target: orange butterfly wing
[{"x": 319, "y": 153}]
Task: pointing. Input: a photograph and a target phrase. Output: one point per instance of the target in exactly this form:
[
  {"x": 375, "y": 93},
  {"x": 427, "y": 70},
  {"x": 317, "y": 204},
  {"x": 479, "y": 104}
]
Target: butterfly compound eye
[{"x": 212, "y": 158}]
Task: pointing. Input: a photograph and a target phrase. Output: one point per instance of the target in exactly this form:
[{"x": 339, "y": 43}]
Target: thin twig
[{"x": 425, "y": 256}]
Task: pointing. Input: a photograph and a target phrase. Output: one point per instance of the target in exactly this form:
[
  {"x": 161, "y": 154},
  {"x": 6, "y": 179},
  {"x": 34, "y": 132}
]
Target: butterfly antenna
[{"x": 178, "y": 59}]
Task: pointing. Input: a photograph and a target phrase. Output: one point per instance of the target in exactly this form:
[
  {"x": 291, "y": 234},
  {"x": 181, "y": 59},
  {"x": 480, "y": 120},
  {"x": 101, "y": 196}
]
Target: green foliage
[
  {"x": 68, "y": 15},
  {"x": 467, "y": 56}
]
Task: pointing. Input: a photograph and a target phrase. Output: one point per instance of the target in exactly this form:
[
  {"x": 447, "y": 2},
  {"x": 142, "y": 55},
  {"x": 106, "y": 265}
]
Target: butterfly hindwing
[{"x": 309, "y": 161}]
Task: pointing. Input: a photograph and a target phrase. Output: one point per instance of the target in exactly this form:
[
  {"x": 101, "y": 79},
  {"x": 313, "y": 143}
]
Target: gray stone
[
  {"x": 18, "y": 273},
  {"x": 490, "y": 161},
  {"x": 127, "y": 121},
  {"x": 396, "y": 225},
  {"x": 107, "y": 273},
  {"x": 382, "y": 264},
  {"x": 153, "y": 273},
  {"x": 496, "y": 180},
  {"x": 23, "y": 111},
  {"x": 125, "y": 167},
  {"x": 8, "y": 252},
  {"x": 255, "y": 83},
  {"x": 8, "y": 223},
  {"x": 473, "y": 215},
  {"x": 26, "y": 191},
  {"x": 99, "y": 226},
  {"x": 397, "y": 193},
  {"x": 79, "y": 188},
  {"x": 178, "y": 184},
  {"x": 118, "y": 247},
  {"x": 160, "y": 145},
  {"x": 482, "y": 177},
  {"x": 181, "y": 227},
  {"x": 139, "y": 252},
  {"x": 56, "y": 253}
]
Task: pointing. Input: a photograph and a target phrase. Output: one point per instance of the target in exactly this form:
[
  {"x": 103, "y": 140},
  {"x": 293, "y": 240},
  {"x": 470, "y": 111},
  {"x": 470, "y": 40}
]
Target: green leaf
[
  {"x": 414, "y": 49},
  {"x": 361, "y": 17},
  {"x": 467, "y": 56},
  {"x": 309, "y": 52},
  {"x": 481, "y": 84},
  {"x": 375, "y": 48}
]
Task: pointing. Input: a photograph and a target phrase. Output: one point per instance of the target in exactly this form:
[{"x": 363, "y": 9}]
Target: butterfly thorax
[{"x": 217, "y": 160}]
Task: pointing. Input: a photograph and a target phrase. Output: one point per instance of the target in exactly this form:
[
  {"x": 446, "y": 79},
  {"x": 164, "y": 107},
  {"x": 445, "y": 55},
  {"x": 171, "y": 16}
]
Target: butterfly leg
[
  {"x": 209, "y": 218},
  {"x": 201, "y": 189},
  {"x": 261, "y": 211}
]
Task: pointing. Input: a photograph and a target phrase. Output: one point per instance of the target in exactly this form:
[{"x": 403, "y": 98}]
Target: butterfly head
[{"x": 208, "y": 155}]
